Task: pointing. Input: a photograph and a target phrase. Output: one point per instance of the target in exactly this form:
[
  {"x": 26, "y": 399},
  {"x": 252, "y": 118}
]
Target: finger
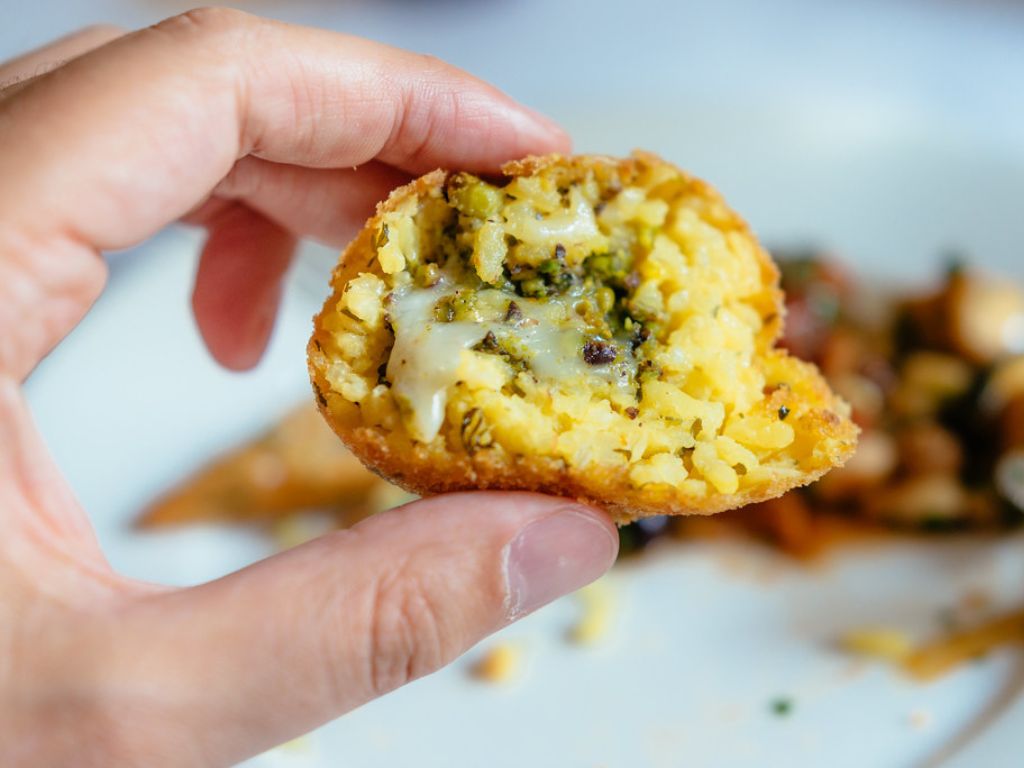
[
  {"x": 329, "y": 205},
  {"x": 238, "y": 284},
  {"x": 235, "y": 301},
  {"x": 45, "y": 531},
  {"x": 305, "y": 636},
  {"x": 50, "y": 56},
  {"x": 286, "y": 94},
  {"x": 127, "y": 139}
]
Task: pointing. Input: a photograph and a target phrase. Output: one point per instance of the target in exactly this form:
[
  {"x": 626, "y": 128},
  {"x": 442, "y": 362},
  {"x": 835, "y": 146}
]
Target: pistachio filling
[
  {"x": 548, "y": 338},
  {"x": 502, "y": 281}
]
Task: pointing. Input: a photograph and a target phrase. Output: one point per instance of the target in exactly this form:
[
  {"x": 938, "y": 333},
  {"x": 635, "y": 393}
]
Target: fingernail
[{"x": 554, "y": 556}]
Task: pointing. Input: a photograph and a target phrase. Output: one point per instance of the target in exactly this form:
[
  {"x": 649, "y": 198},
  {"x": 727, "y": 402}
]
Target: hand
[{"x": 261, "y": 133}]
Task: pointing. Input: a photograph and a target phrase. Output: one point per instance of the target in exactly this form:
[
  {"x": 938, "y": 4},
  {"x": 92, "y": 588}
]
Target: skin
[{"x": 268, "y": 133}]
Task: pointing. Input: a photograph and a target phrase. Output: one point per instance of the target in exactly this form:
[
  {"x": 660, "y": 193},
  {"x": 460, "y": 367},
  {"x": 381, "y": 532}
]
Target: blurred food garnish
[
  {"x": 781, "y": 707},
  {"x": 298, "y": 465},
  {"x": 596, "y": 608},
  {"x": 877, "y": 642},
  {"x": 941, "y": 656}
]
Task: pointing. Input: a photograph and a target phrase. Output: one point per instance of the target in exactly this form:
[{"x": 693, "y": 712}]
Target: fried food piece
[
  {"x": 589, "y": 327},
  {"x": 939, "y": 657},
  {"x": 297, "y": 465}
]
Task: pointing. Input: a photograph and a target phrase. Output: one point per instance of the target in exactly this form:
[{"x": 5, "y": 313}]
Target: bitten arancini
[{"x": 591, "y": 327}]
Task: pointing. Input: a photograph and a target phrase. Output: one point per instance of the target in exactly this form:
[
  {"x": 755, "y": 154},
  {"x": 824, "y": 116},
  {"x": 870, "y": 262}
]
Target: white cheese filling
[{"x": 425, "y": 358}]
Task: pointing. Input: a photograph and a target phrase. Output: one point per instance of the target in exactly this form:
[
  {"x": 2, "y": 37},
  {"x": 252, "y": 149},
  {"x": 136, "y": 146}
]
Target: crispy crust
[
  {"x": 431, "y": 469},
  {"x": 295, "y": 465}
]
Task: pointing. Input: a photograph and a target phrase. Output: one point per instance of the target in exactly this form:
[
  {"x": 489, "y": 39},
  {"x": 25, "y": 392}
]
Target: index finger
[
  {"x": 129, "y": 137},
  {"x": 48, "y": 57},
  {"x": 104, "y": 151}
]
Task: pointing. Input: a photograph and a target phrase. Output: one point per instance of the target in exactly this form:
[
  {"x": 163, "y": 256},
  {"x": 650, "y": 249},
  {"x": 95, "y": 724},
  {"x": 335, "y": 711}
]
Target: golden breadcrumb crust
[{"x": 819, "y": 419}]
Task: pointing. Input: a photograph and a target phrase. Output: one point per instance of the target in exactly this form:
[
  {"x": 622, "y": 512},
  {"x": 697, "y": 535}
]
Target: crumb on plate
[{"x": 500, "y": 664}]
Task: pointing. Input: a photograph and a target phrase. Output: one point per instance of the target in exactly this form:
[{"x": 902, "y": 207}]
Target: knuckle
[
  {"x": 423, "y": 116},
  {"x": 431, "y": 65},
  {"x": 309, "y": 103},
  {"x": 207, "y": 22},
  {"x": 407, "y": 637},
  {"x": 102, "y": 30}
]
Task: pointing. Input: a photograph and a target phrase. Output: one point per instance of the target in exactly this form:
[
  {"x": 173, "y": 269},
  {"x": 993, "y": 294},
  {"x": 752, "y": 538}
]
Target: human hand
[{"x": 261, "y": 133}]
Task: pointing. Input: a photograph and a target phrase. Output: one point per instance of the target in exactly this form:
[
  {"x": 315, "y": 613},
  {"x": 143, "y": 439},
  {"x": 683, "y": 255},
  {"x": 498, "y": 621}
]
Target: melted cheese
[
  {"x": 575, "y": 225},
  {"x": 425, "y": 358},
  {"x": 554, "y": 341}
]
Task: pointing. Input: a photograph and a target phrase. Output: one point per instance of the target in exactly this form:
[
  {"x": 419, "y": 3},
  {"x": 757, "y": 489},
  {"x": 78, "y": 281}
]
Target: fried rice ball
[{"x": 589, "y": 327}]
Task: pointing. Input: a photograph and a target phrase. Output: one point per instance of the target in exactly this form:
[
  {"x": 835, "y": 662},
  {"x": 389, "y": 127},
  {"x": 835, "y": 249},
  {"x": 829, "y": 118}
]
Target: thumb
[{"x": 276, "y": 649}]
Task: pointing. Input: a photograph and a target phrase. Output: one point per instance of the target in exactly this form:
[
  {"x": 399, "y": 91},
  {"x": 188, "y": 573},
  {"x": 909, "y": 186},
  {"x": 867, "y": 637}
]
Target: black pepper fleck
[
  {"x": 489, "y": 342},
  {"x": 783, "y": 412},
  {"x": 513, "y": 314},
  {"x": 640, "y": 335},
  {"x": 598, "y": 352}
]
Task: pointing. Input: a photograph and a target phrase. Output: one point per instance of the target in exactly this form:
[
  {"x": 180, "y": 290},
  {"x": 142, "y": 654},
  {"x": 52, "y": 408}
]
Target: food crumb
[
  {"x": 877, "y": 642},
  {"x": 500, "y": 664},
  {"x": 596, "y": 605},
  {"x": 781, "y": 706},
  {"x": 919, "y": 719}
]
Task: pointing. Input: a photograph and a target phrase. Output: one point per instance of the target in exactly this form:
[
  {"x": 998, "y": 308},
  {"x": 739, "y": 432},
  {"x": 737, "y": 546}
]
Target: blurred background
[
  {"x": 890, "y": 134},
  {"x": 796, "y": 109}
]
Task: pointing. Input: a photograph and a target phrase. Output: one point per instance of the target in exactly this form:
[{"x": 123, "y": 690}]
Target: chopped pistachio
[
  {"x": 597, "y": 352},
  {"x": 550, "y": 267},
  {"x": 475, "y": 432},
  {"x": 605, "y": 299},
  {"x": 533, "y": 287},
  {"x": 473, "y": 197},
  {"x": 444, "y": 310},
  {"x": 429, "y": 275}
]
